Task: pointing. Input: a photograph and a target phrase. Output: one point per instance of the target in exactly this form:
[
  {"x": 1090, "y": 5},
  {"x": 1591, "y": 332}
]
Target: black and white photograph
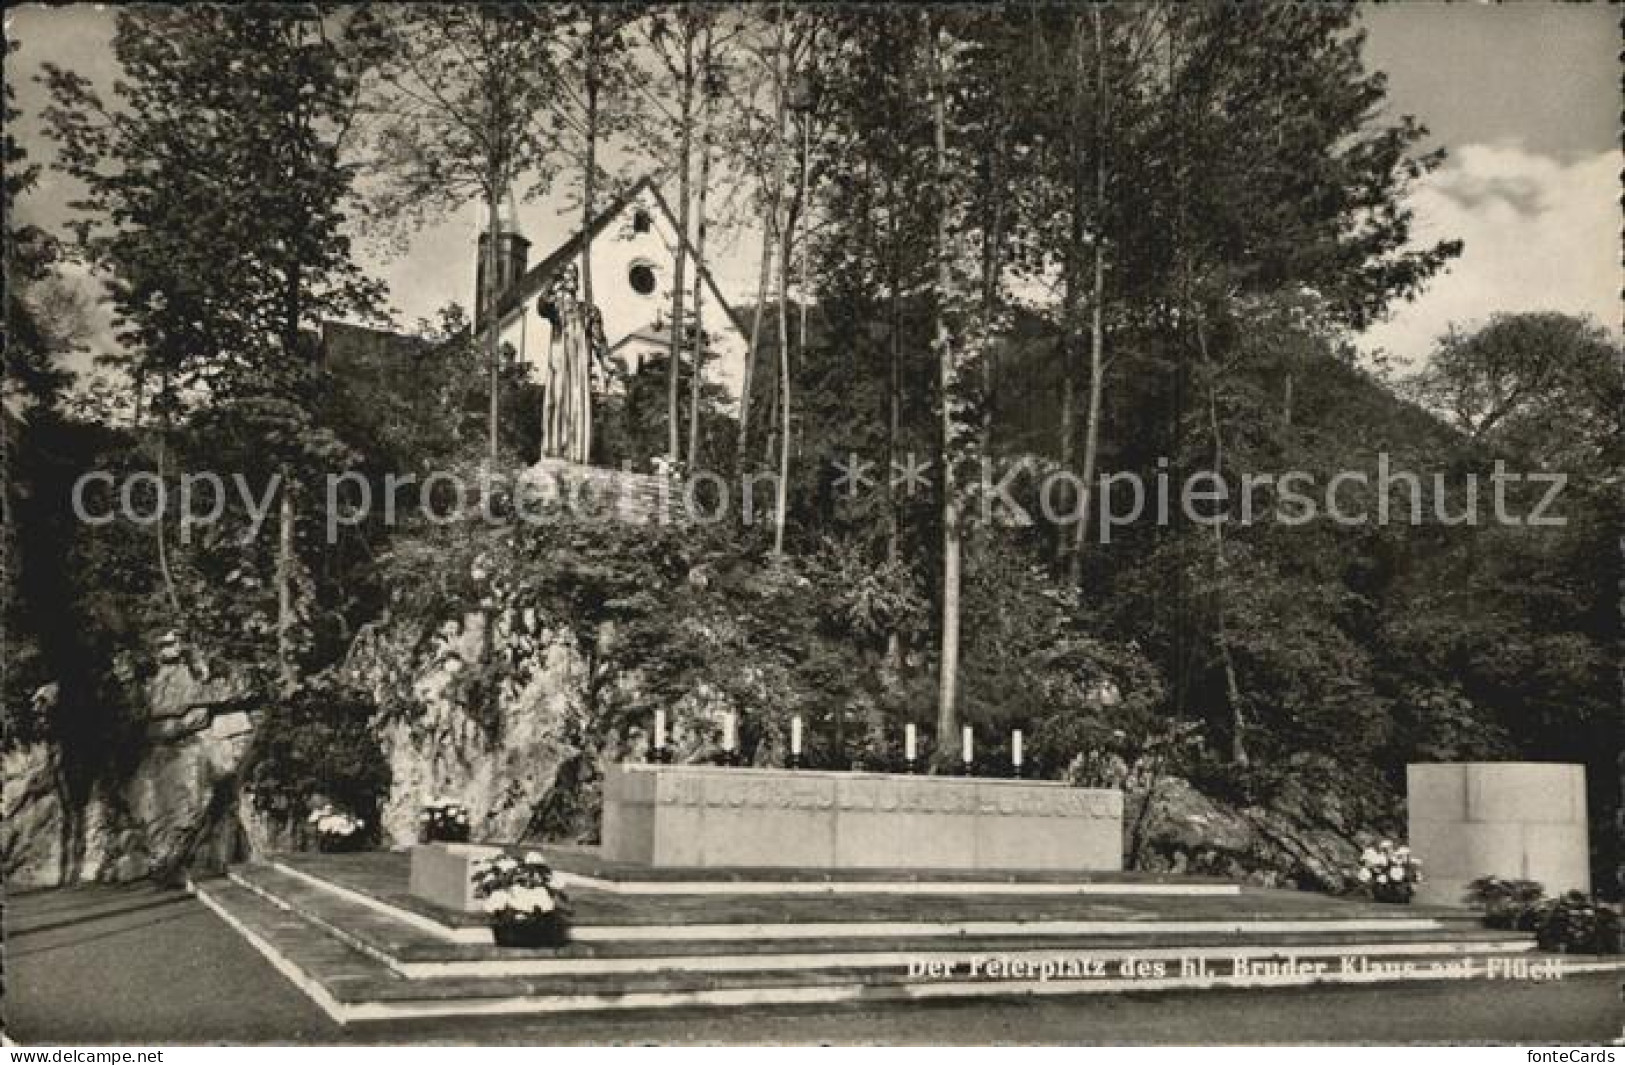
[{"x": 1033, "y": 524}]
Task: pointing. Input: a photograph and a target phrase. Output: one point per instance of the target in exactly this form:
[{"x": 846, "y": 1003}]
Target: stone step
[
  {"x": 599, "y": 918},
  {"x": 352, "y": 986},
  {"x": 588, "y": 865},
  {"x": 383, "y": 877},
  {"x": 414, "y": 951}
]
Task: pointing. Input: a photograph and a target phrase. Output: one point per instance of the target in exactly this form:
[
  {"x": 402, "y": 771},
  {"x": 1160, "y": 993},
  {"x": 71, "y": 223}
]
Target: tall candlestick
[
  {"x": 909, "y": 742},
  {"x": 660, "y": 730},
  {"x": 795, "y": 735},
  {"x": 966, "y": 742},
  {"x": 730, "y": 732},
  {"x": 1015, "y": 748}
]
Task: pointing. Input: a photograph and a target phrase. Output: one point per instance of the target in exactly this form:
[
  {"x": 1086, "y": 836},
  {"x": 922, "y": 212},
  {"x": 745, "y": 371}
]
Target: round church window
[{"x": 642, "y": 279}]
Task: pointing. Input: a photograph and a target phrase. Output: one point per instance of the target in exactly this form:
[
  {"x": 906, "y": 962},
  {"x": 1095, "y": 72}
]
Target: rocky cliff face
[
  {"x": 179, "y": 805},
  {"x": 1297, "y": 841},
  {"x": 484, "y": 711},
  {"x": 495, "y": 703}
]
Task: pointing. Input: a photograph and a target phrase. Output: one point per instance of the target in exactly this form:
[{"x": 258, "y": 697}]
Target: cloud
[{"x": 1540, "y": 234}]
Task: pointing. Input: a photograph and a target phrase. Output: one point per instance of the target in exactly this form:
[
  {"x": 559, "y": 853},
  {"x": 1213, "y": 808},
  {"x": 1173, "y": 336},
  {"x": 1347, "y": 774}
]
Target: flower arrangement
[
  {"x": 1389, "y": 872},
  {"x": 526, "y": 910},
  {"x": 335, "y": 829},
  {"x": 443, "y": 819}
]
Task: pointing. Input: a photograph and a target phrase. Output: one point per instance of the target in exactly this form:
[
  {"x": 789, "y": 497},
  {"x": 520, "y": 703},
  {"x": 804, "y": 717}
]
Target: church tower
[{"x": 513, "y": 258}]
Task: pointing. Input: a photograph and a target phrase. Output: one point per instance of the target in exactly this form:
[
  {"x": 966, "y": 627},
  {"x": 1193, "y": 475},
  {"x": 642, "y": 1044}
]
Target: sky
[{"x": 1524, "y": 97}]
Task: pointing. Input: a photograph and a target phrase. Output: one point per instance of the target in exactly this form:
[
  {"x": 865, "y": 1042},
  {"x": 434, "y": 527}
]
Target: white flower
[
  {"x": 1382, "y": 878},
  {"x": 1385, "y": 845},
  {"x": 534, "y": 858},
  {"x": 1402, "y": 853},
  {"x": 505, "y": 864},
  {"x": 1370, "y": 857},
  {"x": 496, "y": 901},
  {"x": 533, "y": 900},
  {"x": 424, "y": 816},
  {"x": 1365, "y": 876}
]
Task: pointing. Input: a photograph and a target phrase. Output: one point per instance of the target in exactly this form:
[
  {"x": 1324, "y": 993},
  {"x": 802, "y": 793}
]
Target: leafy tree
[
  {"x": 217, "y": 190},
  {"x": 461, "y": 109}
]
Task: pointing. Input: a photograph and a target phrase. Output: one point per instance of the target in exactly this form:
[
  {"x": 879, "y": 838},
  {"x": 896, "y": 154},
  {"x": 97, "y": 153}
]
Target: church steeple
[{"x": 513, "y": 255}]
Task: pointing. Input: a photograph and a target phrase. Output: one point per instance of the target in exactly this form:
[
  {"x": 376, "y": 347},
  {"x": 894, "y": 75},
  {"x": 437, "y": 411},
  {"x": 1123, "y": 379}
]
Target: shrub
[
  {"x": 317, "y": 747},
  {"x": 1506, "y": 903},
  {"x": 1567, "y": 924}
]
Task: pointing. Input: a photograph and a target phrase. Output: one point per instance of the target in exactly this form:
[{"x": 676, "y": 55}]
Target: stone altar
[
  {"x": 1515, "y": 820},
  {"x": 707, "y": 816},
  {"x": 442, "y": 873}
]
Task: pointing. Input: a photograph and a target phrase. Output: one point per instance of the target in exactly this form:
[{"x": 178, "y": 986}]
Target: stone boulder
[
  {"x": 177, "y": 808},
  {"x": 493, "y": 699},
  {"x": 1292, "y": 842},
  {"x": 31, "y": 835}
]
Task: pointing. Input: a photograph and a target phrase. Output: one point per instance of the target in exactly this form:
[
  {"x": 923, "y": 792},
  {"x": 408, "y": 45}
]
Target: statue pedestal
[
  {"x": 1514, "y": 820},
  {"x": 442, "y": 873},
  {"x": 707, "y": 816}
]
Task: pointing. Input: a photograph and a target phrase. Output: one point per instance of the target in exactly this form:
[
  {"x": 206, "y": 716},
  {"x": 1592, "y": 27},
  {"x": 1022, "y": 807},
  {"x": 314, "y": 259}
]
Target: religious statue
[{"x": 577, "y": 342}]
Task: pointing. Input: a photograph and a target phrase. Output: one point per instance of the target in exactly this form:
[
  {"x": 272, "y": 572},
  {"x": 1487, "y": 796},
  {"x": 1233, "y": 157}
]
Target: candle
[
  {"x": 730, "y": 732},
  {"x": 966, "y": 741},
  {"x": 795, "y": 734},
  {"x": 909, "y": 741},
  {"x": 1015, "y": 748},
  {"x": 660, "y": 729}
]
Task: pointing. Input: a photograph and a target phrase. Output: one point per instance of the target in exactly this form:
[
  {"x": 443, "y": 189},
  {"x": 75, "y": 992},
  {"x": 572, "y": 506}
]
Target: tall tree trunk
[
  {"x": 948, "y": 660},
  {"x": 287, "y": 560},
  {"x": 158, "y": 526},
  {"x": 1097, "y": 330},
  {"x": 1071, "y": 301},
  {"x": 679, "y": 278},
  {"x": 803, "y": 209},
  {"x": 287, "y": 667},
  {"x": 764, "y": 279},
  {"x": 992, "y": 265},
  {"x": 696, "y": 373},
  {"x": 493, "y": 329},
  {"x": 782, "y": 489},
  {"x": 894, "y": 414},
  {"x": 894, "y": 394},
  {"x": 589, "y": 207},
  {"x": 1221, "y": 561}
]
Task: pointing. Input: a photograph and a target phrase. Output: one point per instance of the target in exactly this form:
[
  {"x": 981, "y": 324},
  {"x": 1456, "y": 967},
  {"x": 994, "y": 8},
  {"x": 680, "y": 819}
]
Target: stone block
[
  {"x": 442, "y": 873},
  {"x": 1518, "y": 820},
  {"x": 704, "y": 816}
]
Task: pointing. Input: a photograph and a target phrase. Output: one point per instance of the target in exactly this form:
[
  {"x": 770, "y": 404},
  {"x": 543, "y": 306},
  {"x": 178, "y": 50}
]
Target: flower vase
[
  {"x": 1391, "y": 893},
  {"x": 437, "y": 833},
  {"x": 546, "y": 931}
]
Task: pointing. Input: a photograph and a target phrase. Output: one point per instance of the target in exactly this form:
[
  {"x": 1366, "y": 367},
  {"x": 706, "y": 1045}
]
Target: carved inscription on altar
[{"x": 857, "y": 793}]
